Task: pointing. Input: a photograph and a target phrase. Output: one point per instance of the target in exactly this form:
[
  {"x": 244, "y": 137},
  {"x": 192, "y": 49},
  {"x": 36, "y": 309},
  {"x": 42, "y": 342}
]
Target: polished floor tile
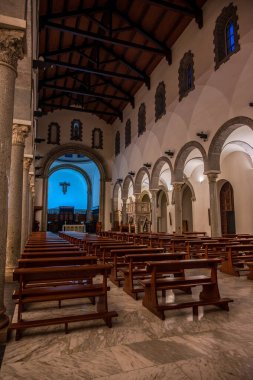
[{"x": 217, "y": 345}]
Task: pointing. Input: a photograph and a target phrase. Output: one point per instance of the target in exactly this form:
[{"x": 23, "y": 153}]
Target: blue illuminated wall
[{"x": 76, "y": 195}]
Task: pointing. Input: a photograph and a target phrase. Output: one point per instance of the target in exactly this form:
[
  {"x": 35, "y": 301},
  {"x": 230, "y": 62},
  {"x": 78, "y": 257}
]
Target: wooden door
[{"x": 227, "y": 211}]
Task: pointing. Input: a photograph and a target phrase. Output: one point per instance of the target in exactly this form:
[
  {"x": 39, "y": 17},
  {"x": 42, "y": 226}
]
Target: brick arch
[
  {"x": 182, "y": 156},
  {"x": 155, "y": 175},
  {"x": 125, "y": 187},
  {"x": 138, "y": 179},
  {"x": 220, "y": 137}
]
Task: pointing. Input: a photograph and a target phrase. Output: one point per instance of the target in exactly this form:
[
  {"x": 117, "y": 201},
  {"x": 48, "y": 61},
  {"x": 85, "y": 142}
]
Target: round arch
[
  {"x": 155, "y": 175},
  {"x": 125, "y": 187},
  {"x": 82, "y": 172},
  {"x": 139, "y": 177},
  {"x": 53, "y": 154},
  {"x": 220, "y": 137},
  {"x": 182, "y": 156}
]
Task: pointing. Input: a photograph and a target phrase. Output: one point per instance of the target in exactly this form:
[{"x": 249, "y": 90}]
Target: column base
[{"x": 9, "y": 274}]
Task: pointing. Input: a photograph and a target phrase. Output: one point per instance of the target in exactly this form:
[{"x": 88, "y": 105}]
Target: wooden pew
[
  {"x": 118, "y": 257},
  {"x": 34, "y": 255},
  {"x": 51, "y": 248},
  {"x": 78, "y": 289},
  {"x": 250, "y": 268},
  {"x": 136, "y": 269},
  {"x": 106, "y": 256},
  {"x": 56, "y": 261},
  {"x": 235, "y": 258},
  {"x": 210, "y": 293}
]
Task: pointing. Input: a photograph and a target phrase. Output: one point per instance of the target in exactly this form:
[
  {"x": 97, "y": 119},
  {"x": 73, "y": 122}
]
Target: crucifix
[{"x": 64, "y": 186}]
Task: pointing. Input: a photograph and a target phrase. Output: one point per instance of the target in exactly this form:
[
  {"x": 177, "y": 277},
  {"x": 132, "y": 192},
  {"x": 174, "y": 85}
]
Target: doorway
[{"x": 227, "y": 210}]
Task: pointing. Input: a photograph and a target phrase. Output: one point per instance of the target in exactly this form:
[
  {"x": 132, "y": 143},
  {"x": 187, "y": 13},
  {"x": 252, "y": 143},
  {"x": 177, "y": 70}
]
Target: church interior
[{"x": 126, "y": 182}]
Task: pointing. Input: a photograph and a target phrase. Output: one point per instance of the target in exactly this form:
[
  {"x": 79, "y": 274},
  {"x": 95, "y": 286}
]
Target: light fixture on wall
[
  {"x": 147, "y": 165},
  {"x": 38, "y": 157},
  {"x": 119, "y": 180},
  {"x": 169, "y": 153},
  {"x": 202, "y": 135},
  {"x": 37, "y": 113},
  {"x": 131, "y": 173}
]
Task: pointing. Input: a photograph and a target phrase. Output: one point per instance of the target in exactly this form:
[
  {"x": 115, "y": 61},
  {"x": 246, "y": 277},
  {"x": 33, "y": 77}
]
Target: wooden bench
[
  {"x": 136, "y": 269},
  {"x": 78, "y": 288},
  {"x": 118, "y": 257},
  {"x": 106, "y": 250},
  {"x": 235, "y": 258},
  {"x": 56, "y": 261},
  {"x": 34, "y": 255},
  {"x": 210, "y": 293}
]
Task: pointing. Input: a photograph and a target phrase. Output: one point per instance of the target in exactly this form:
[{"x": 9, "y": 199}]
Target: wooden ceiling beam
[
  {"x": 81, "y": 91},
  {"x": 109, "y": 40},
  {"x": 77, "y": 109},
  {"x": 149, "y": 36},
  {"x": 194, "y": 11},
  {"x": 67, "y": 14},
  {"x": 85, "y": 69}
]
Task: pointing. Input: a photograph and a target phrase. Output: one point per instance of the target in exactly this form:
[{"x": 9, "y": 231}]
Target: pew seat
[
  {"x": 58, "y": 284},
  {"x": 208, "y": 296}
]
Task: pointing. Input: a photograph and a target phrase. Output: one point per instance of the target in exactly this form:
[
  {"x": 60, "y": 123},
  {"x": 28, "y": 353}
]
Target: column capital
[
  {"x": 27, "y": 162},
  {"x": 19, "y": 133},
  {"x": 11, "y": 46},
  {"x": 212, "y": 176},
  {"x": 177, "y": 186}
]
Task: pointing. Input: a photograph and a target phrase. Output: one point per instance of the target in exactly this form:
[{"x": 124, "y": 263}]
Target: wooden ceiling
[{"x": 95, "y": 54}]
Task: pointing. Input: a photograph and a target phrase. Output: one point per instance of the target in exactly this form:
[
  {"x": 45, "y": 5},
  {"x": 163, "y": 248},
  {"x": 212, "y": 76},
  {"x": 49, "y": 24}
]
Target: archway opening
[
  {"x": 187, "y": 220},
  {"x": 227, "y": 210},
  {"x": 73, "y": 194}
]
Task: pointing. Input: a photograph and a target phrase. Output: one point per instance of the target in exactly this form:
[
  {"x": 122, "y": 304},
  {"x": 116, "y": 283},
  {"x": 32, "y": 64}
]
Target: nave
[{"x": 215, "y": 344}]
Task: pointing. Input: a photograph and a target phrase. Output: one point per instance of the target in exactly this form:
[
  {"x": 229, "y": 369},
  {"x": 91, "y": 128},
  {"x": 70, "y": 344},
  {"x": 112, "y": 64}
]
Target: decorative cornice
[
  {"x": 27, "y": 162},
  {"x": 19, "y": 134},
  {"x": 11, "y": 46}
]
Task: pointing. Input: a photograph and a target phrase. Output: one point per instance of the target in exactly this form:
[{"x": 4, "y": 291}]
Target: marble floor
[{"x": 218, "y": 345}]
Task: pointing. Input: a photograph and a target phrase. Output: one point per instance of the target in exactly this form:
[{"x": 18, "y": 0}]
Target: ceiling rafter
[
  {"x": 137, "y": 26},
  {"x": 77, "y": 109},
  {"x": 81, "y": 91},
  {"x": 105, "y": 39},
  {"x": 193, "y": 11},
  {"x": 105, "y": 73}
]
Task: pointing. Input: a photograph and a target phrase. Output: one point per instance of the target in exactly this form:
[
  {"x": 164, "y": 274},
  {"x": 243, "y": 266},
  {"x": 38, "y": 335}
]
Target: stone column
[
  {"x": 19, "y": 134},
  {"x": 154, "y": 210},
  {"x": 11, "y": 49},
  {"x": 31, "y": 209},
  {"x": 214, "y": 205},
  {"x": 124, "y": 213},
  {"x": 30, "y": 204},
  {"x": 25, "y": 201},
  {"x": 178, "y": 207}
]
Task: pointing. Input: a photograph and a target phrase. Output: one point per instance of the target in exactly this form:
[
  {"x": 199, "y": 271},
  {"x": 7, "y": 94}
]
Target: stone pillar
[
  {"x": 154, "y": 210},
  {"x": 19, "y": 134},
  {"x": 31, "y": 208},
  {"x": 178, "y": 207},
  {"x": 214, "y": 205},
  {"x": 25, "y": 201},
  {"x": 11, "y": 49},
  {"x": 124, "y": 213},
  {"x": 30, "y": 204}
]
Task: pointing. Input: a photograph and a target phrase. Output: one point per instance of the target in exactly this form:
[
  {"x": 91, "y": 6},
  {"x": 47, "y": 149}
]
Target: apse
[{"x": 67, "y": 187}]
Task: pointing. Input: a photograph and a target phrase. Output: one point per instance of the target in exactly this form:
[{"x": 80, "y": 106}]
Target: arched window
[
  {"x": 117, "y": 143},
  {"x": 53, "y": 134},
  {"x": 128, "y": 133},
  {"x": 160, "y": 101},
  {"x": 142, "y": 119},
  {"x": 97, "y": 138},
  {"x": 76, "y": 130},
  {"x": 186, "y": 75},
  {"x": 226, "y": 35}
]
